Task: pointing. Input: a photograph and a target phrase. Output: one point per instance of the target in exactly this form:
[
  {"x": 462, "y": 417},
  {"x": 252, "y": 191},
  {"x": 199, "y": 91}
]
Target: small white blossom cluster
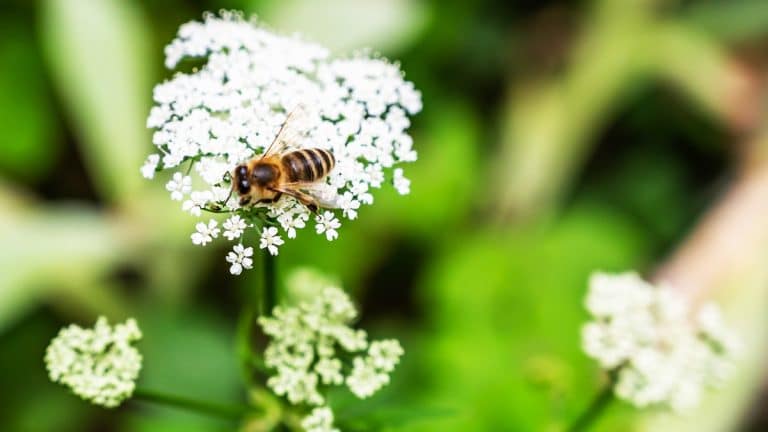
[
  {"x": 319, "y": 420},
  {"x": 230, "y": 109},
  {"x": 307, "y": 347},
  {"x": 660, "y": 353},
  {"x": 99, "y": 364}
]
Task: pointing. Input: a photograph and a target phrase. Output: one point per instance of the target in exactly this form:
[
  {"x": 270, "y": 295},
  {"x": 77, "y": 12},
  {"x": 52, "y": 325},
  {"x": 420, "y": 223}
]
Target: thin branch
[{"x": 598, "y": 405}]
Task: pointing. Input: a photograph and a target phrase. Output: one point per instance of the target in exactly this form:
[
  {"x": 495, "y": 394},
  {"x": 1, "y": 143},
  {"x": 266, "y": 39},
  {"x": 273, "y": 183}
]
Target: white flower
[
  {"x": 205, "y": 233},
  {"x": 402, "y": 184},
  {"x": 329, "y": 370},
  {"x": 349, "y": 205},
  {"x": 644, "y": 333},
  {"x": 240, "y": 258},
  {"x": 385, "y": 355},
  {"x": 234, "y": 227},
  {"x": 290, "y": 222},
  {"x": 100, "y": 364},
  {"x": 229, "y": 110},
  {"x": 319, "y": 420},
  {"x": 290, "y": 217},
  {"x": 212, "y": 171},
  {"x": 611, "y": 295},
  {"x": 297, "y": 385},
  {"x": 149, "y": 167},
  {"x": 365, "y": 379},
  {"x": 328, "y": 224},
  {"x": 270, "y": 240},
  {"x": 179, "y": 186},
  {"x": 607, "y": 344},
  {"x": 307, "y": 346},
  {"x": 712, "y": 326},
  {"x": 197, "y": 200}
]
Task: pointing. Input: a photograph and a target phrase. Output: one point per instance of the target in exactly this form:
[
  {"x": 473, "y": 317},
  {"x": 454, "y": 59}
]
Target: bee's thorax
[{"x": 264, "y": 174}]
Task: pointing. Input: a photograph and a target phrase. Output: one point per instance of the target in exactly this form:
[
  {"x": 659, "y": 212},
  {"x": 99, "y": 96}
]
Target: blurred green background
[{"x": 556, "y": 138}]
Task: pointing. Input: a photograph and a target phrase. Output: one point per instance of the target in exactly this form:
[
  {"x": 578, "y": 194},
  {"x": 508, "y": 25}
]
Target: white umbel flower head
[
  {"x": 312, "y": 346},
  {"x": 660, "y": 353},
  {"x": 100, "y": 364},
  {"x": 230, "y": 109}
]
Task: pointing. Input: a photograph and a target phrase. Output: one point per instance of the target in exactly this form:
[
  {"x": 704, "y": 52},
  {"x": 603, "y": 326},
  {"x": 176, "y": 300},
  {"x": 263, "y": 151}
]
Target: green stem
[
  {"x": 245, "y": 341},
  {"x": 232, "y": 412},
  {"x": 270, "y": 287},
  {"x": 593, "y": 411},
  {"x": 261, "y": 302},
  {"x": 191, "y": 164}
]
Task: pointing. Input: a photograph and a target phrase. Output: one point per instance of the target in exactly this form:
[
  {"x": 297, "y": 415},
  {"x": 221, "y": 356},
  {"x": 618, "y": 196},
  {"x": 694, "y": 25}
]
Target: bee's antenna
[
  {"x": 228, "y": 177},
  {"x": 231, "y": 190}
]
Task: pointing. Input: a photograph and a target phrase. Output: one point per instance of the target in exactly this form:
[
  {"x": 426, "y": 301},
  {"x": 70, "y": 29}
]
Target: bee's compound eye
[
  {"x": 241, "y": 179},
  {"x": 244, "y": 186}
]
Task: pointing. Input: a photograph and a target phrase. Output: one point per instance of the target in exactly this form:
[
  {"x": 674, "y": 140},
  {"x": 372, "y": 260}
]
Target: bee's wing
[
  {"x": 327, "y": 197},
  {"x": 324, "y": 194},
  {"x": 293, "y": 129}
]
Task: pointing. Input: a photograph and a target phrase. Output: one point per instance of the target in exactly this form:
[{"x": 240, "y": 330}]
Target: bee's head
[
  {"x": 264, "y": 174},
  {"x": 242, "y": 183}
]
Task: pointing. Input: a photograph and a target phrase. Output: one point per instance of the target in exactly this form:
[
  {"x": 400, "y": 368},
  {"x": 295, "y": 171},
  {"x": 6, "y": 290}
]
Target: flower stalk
[
  {"x": 270, "y": 299},
  {"x": 261, "y": 300},
  {"x": 599, "y": 403}
]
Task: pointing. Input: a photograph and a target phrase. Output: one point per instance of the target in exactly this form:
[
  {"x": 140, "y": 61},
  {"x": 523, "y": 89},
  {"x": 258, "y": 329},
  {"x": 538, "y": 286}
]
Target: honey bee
[{"x": 265, "y": 178}]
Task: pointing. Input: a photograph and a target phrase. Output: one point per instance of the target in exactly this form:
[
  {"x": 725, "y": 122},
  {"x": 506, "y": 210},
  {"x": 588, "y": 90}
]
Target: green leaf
[
  {"x": 64, "y": 250},
  {"x": 186, "y": 352},
  {"x": 98, "y": 57},
  {"x": 379, "y": 24}
]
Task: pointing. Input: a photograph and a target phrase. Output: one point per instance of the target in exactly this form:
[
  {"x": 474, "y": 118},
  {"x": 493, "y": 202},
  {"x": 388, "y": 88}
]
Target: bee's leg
[
  {"x": 270, "y": 200},
  {"x": 244, "y": 201},
  {"x": 304, "y": 198},
  {"x": 312, "y": 206}
]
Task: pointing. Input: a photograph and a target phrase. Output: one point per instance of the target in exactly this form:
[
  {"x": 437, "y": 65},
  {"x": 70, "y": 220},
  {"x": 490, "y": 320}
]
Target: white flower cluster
[
  {"x": 100, "y": 364},
  {"x": 230, "y": 109},
  {"x": 659, "y": 352},
  {"x": 307, "y": 348},
  {"x": 319, "y": 420}
]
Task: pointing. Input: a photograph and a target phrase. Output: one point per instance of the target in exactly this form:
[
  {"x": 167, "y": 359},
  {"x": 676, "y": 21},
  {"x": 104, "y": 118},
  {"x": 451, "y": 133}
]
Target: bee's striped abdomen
[{"x": 308, "y": 165}]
